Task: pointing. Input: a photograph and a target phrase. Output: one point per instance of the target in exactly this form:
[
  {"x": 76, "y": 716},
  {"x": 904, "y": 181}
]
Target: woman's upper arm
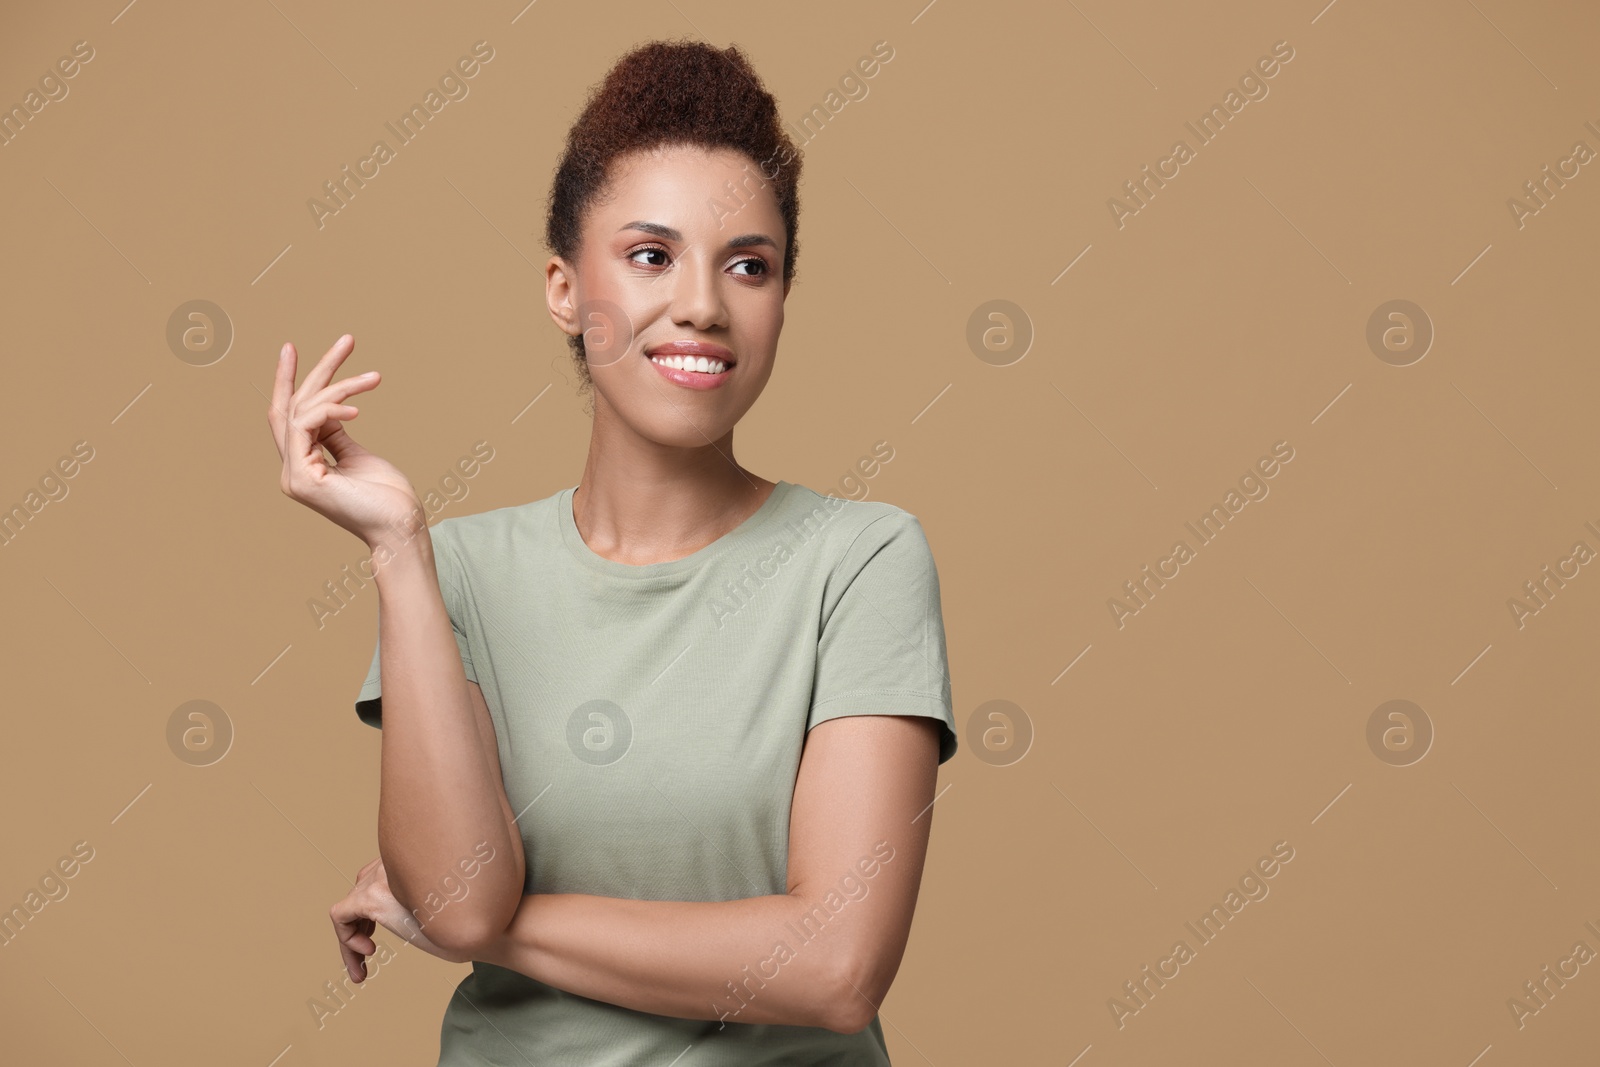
[
  {"x": 491, "y": 755},
  {"x": 858, "y": 836}
]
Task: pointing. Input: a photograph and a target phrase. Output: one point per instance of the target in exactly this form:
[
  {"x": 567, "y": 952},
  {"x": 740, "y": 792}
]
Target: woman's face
[{"x": 670, "y": 256}]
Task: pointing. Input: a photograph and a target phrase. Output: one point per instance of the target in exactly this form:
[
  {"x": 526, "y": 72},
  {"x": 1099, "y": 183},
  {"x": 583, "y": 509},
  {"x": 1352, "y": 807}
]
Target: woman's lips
[
  {"x": 691, "y": 350},
  {"x": 690, "y": 379}
]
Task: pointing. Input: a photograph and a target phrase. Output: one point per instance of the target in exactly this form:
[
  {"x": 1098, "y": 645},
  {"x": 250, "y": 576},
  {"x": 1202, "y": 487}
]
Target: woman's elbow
[
  {"x": 856, "y": 996},
  {"x": 468, "y": 935},
  {"x": 469, "y": 924},
  {"x": 851, "y": 1015},
  {"x": 465, "y": 940}
]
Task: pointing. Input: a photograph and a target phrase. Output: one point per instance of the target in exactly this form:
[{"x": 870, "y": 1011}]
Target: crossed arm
[
  {"x": 858, "y": 836},
  {"x": 813, "y": 956}
]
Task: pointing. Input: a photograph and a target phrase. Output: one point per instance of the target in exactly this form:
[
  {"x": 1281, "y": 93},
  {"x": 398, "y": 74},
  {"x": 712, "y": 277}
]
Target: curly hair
[{"x": 681, "y": 92}]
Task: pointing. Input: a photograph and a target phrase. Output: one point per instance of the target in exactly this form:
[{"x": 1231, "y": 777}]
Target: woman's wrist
[{"x": 398, "y": 552}]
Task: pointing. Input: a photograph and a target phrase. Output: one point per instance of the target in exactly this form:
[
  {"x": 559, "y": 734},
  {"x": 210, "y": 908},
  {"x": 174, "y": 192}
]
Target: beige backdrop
[{"x": 1340, "y": 269}]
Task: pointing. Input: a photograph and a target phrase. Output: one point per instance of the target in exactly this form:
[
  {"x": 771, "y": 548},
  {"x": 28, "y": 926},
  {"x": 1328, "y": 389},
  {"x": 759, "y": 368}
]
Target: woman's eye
[
  {"x": 650, "y": 250},
  {"x": 753, "y": 262}
]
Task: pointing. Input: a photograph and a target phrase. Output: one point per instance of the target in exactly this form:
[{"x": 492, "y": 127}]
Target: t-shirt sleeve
[
  {"x": 882, "y": 646},
  {"x": 369, "y": 703}
]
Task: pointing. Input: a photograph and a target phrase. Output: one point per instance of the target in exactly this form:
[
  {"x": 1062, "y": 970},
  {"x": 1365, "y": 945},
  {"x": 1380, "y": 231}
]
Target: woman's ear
[{"x": 560, "y": 295}]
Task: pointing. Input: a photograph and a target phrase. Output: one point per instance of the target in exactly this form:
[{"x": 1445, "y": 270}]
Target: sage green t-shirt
[{"x": 650, "y": 721}]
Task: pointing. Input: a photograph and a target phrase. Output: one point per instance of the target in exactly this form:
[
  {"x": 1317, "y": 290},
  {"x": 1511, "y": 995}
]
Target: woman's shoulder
[
  {"x": 850, "y": 522},
  {"x": 475, "y": 533}
]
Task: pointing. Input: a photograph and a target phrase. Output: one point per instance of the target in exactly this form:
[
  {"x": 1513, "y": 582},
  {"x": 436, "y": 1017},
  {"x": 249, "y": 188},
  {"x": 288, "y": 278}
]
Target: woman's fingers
[
  {"x": 304, "y": 462},
  {"x": 287, "y": 401},
  {"x": 322, "y": 373},
  {"x": 320, "y": 425},
  {"x": 320, "y": 420},
  {"x": 339, "y": 390},
  {"x": 361, "y": 939},
  {"x": 312, "y": 415},
  {"x": 353, "y": 930},
  {"x": 332, "y": 432},
  {"x": 282, "y": 389},
  {"x": 355, "y": 964}
]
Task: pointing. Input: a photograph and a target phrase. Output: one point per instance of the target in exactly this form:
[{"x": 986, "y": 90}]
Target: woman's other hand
[
  {"x": 368, "y": 905},
  {"x": 364, "y": 493}
]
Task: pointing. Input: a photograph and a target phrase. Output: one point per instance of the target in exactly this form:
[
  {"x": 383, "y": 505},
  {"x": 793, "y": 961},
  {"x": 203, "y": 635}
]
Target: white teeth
[{"x": 694, "y": 363}]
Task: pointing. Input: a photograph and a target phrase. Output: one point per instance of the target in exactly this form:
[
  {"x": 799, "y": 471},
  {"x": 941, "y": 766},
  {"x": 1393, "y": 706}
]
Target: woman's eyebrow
[{"x": 741, "y": 241}]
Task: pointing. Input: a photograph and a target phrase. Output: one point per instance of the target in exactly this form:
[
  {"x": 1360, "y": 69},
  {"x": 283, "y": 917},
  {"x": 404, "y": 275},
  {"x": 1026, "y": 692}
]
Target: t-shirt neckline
[{"x": 751, "y": 527}]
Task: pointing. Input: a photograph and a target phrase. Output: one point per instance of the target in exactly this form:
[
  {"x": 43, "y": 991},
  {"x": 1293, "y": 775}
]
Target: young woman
[{"x": 659, "y": 751}]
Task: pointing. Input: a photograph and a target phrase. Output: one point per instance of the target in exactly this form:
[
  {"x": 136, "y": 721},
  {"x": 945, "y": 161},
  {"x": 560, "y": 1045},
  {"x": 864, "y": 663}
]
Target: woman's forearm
[
  {"x": 439, "y": 800},
  {"x": 746, "y": 961}
]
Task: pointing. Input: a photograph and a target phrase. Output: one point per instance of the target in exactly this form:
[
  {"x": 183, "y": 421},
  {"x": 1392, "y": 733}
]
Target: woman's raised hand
[{"x": 364, "y": 493}]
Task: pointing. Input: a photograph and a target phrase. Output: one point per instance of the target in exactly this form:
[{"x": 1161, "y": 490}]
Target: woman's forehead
[{"x": 687, "y": 188}]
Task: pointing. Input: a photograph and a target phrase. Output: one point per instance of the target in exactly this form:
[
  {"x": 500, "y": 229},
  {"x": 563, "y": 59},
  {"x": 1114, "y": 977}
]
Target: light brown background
[{"x": 1229, "y": 314}]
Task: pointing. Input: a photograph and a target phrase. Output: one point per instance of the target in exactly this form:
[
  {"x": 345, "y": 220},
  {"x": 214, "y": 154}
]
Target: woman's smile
[{"x": 692, "y": 364}]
